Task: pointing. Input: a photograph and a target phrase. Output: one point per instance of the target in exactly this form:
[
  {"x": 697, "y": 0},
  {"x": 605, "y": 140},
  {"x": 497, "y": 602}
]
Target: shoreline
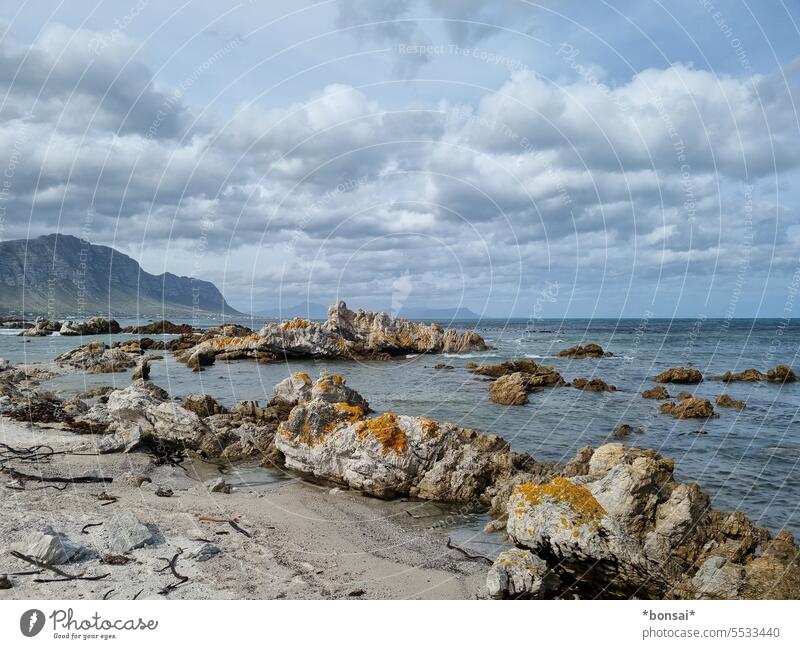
[{"x": 307, "y": 541}]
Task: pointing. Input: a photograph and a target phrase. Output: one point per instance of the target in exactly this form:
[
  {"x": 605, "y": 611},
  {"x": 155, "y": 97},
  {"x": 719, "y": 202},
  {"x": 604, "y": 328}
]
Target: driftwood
[
  {"x": 85, "y": 528},
  {"x": 81, "y": 479},
  {"x": 64, "y": 576},
  {"x": 172, "y": 566},
  {"x": 233, "y": 522},
  {"x": 474, "y": 557}
]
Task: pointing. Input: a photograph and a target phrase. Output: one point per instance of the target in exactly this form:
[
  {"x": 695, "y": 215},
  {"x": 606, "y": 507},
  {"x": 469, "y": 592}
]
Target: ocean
[{"x": 747, "y": 460}]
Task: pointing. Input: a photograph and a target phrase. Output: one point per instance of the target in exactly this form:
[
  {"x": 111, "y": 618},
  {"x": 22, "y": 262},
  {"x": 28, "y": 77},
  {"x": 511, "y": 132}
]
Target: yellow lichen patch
[
  {"x": 221, "y": 343},
  {"x": 578, "y": 498},
  {"x": 295, "y": 323},
  {"x": 351, "y": 413},
  {"x": 429, "y": 427},
  {"x": 337, "y": 379},
  {"x": 387, "y": 431},
  {"x": 302, "y": 376},
  {"x": 95, "y": 346}
]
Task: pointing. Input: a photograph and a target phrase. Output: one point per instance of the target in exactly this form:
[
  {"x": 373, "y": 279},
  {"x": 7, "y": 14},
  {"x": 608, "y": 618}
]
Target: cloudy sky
[{"x": 552, "y": 158}]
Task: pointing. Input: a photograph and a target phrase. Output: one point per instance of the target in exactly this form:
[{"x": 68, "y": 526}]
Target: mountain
[
  {"x": 63, "y": 275},
  {"x": 315, "y": 311}
]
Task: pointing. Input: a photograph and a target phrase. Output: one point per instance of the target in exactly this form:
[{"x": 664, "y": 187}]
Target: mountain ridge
[{"x": 60, "y": 274}]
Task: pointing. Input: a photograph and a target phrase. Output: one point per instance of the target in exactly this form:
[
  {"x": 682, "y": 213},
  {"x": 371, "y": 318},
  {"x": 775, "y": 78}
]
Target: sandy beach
[{"x": 306, "y": 541}]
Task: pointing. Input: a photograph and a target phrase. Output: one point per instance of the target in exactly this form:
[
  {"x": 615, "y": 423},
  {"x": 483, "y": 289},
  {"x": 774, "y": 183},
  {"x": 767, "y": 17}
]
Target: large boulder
[
  {"x": 141, "y": 413},
  {"x": 160, "y": 328},
  {"x": 42, "y": 327},
  {"x": 680, "y": 375},
  {"x": 514, "y": 380},
  {"x": 510, "y": 389},
  {"x": 778, "y": 374},
  {"x": 520, "y": 574},
  {"x": 593, "y": 385},
  {"x": 621, "y": 526},
  {"x": 391, "y": 455}
]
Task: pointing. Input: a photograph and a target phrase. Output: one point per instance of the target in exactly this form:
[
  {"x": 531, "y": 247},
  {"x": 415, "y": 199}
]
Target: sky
[{"x": 528, "y": 159}]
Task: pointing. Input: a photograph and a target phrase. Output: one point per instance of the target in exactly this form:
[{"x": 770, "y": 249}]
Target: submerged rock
[
  {"x": 680, "y": 375},
  {"x": 726, "y": 401},
  {"x": 161, "y": 327},
  {"x": 778, "y": 374},
  {"x": 658, "y": 392},
  {"x": 689, "y": 408},
  {"x": 590, "y": 350}
]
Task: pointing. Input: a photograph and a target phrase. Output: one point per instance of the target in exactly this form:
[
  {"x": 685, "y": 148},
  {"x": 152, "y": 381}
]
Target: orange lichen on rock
[
  {"x": 223, "y": 343},
  {"x": 429, "y": 427},
  {"x": 577, "y": 497},
  {"x": 387, "y": 431},
  {"x": 295, "y": 323},
  {"x": 352, "y": 413},
  {"x": 302, "y": 376}
]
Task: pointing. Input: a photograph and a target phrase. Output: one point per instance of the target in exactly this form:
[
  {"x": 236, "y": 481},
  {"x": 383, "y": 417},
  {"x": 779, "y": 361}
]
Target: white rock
[{"x": 53, "y": 548}]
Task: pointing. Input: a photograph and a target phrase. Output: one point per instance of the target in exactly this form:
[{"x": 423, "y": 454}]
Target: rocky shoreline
[{"x": 613, "y": 522}]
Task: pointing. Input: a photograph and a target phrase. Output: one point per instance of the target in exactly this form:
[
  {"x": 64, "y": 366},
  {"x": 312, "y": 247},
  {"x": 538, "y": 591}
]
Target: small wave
[
  {"x": 534, "y": 356},
  {"x": 10, "y": 332},
  {"x": 480, "y": 355},
  {"x": 411, "y": 355}
]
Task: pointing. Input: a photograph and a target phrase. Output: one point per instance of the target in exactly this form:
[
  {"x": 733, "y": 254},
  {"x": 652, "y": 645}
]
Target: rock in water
[
  {"x": 658, "y": 392},
  {"x": 142, "y": 370},
  {"x": 726, "y": 401},
  {"x": 680, "y": 375},
  {"x": 520, "y": 574},
  {"x": 781, "y": 374},
  {"x": 345, "y": 334},
  {"x": 778, "y": 374},
  {"x": 689, "y": 408},
  {"x": 593, "y": 385},
  {"x": 510, "y": 390},
  {"x": 91, "y": 327},
  {"x": 96, "y": 358},
  {"x": 591, "y": 350}
]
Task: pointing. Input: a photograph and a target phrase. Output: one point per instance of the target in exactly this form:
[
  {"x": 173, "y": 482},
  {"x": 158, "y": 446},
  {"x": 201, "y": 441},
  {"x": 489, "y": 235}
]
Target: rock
[
  {"x": 781, "y": 374},
  {"x": 292, "y": 390},
  {"x": 693, "y": 407},
  {"x": 442, "y": 366},
  {"x": 52, "y": 548},
  {"x": 519, "y": 574},
  {"x": 591, "y": 350},
  {"x": 750, "y": 374},
  {"x": 658, "y": 392},
  {"x": 593, "y": 385},
  {"x": 124, "y": 533},
  {"x": 108, "y": 444},
  {"x": 510, "y": 390},
  {"x": 96, "y": 358},
  {"x": 505, "y": 368},
  {"x": 333, "y": 389},
  {"x": 391, "y": 454},
  {"x": 42, "y": 327},
  {"x": 5, "y": 582},
  {"x": 623, "y": 431},
  {"x": 160, "y": 327},
  {"x": 140, "y": 413},
  {"x": 778, "y": 374},
  {"x": 203, "y": 552},
  {"x": 142, "y": 370},
  {"x": 725, "y": 401},
  {"x": 219, "y": 486},
  {"x": 622, "y": 527},
  {"x": 717, "y": 578},
  {"x": 90, "y": 327},
  {"x": 203, "y": 405},
  {"x": 164, "y": 492},
  {"x": 684, "y": 395},
  {"x": 344, "y": 335},
  {"x": 680, "y": 375},
  {"x": 200, "y": 358}
]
